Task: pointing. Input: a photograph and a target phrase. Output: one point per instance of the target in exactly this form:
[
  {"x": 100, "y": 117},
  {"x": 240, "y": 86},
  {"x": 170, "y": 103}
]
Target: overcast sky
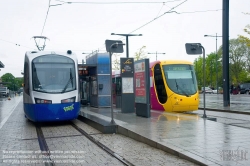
[{"x": 84, "y": 27}]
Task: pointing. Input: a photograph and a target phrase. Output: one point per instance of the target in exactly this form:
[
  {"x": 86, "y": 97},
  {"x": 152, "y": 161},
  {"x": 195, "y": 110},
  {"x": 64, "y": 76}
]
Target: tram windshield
[
  {"x": 53, "y": 74},
  {"x": 181, "y": 79}
]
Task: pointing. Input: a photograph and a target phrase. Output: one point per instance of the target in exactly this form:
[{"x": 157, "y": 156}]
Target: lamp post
[
  {"x": 156, "y": 53},
  {"x": 127, "y": 35},
  {"x": 216, "y": 59},
  {"x": 112, "y": 46}
]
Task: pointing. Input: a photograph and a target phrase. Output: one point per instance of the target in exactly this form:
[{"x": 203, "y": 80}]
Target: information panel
[
  {"x": 142, "y": 88},
  {"x": 127, "y": 80},
  {"x": 127, "y": 85}
]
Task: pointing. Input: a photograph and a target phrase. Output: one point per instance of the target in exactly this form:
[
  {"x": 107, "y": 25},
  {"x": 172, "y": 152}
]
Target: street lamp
[
  {"x": 216, "y": 59},
  {"x": 156, "y": 54},
  {"x": 127, "y": 35}
]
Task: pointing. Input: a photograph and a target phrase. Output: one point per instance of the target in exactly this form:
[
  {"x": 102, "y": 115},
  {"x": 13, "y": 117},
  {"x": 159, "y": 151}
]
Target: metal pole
[
  {"x": 225, "y": 30},
  {"x": 216, "y": 66},
  {"x": 204, "y": 76},
  {"x": 211, "y": 74},
  {"x": 111, "y": 87},
  {"x": 127, "y": 46}
]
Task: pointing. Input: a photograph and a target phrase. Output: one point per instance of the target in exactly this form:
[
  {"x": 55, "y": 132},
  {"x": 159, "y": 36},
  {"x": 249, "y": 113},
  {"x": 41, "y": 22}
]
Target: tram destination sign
[{"x": 177, "y": 67}]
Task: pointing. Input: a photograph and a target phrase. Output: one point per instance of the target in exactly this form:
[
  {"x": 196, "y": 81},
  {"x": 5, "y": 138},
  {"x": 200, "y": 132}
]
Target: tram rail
[{"x": 48, "y": 161}]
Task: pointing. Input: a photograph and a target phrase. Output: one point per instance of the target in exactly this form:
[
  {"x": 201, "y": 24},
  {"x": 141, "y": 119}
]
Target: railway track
[{"x": 48, "y": 158}]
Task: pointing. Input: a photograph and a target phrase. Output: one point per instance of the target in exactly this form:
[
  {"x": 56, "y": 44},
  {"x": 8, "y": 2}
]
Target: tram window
[
  {"x": 26, "y": 78},
  {"x": 180, "y": 79},
  {"x": 53, "y": 74},
  {"x": 159, "y": 84}
]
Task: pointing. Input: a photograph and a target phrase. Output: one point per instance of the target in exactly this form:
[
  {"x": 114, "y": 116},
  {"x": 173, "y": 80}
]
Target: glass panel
[
  {"x": 55, "y": 76},
  {"x": 181, "y": 79}
]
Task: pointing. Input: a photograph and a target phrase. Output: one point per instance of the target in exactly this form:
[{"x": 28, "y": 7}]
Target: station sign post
[
  {"x": 127, "y": 76},
  {"x": 142, "y": 88}
]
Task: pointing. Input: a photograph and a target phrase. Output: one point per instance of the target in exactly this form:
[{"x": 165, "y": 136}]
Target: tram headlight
[
  {"x": 42, "y": 101},
  {"x": 69, "y": 100}
]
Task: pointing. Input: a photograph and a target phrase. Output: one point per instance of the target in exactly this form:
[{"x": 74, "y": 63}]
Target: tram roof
[{"x": 164, "y": 62}]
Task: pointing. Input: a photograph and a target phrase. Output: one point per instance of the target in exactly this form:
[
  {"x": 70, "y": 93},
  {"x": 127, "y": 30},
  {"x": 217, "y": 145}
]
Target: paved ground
[
  {"x": 18, "y": 137},
  {"x": 188, "y": 136},
  {"x": 238, "y": 103}
]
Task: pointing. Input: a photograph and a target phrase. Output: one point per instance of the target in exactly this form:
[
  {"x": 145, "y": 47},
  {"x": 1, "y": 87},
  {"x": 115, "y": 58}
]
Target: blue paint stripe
[{"x": 51, "y": 112}]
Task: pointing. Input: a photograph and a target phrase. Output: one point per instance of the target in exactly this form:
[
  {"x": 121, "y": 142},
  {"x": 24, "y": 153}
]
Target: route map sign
[
  {"x": 142, "y": 88},
  {"x": 127, "y": 77}
]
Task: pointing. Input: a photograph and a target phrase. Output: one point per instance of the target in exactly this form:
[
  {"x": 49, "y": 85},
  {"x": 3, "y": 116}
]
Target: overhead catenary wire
[
  {"x": 169, "y": 11},
  {"x": 63, "y": 2},
  {"x": 108, "y": 3},
  {"x": 172, "y": 12},
  {"x": 204, "y": 11},
  {"x": 14, "y": 43},
  {"x": 45, "y": 18},
  {"x": 160, "y": 9},
  {"x": 188, "y": 12},
  {"x": 37, "y": 44}
]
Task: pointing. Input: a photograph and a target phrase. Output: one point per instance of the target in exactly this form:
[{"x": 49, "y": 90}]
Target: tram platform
[{"x": 188, "y": 136}]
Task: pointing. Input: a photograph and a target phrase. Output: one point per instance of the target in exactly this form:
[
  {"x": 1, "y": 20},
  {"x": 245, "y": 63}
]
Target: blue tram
[{"x": 51, "y": 86}]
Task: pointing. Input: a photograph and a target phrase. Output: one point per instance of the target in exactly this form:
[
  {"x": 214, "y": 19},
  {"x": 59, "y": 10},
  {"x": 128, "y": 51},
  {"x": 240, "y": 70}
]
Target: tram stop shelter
[{"x": 94, "y": 78}]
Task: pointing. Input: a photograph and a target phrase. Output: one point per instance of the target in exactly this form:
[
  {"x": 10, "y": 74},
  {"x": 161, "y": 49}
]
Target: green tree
[
  {"x": 10, "y": 79},
  {"x": 141, "y": 54},
  {"x": 246, "y": 39},
  {"x": 19, "y": 82},
  {"x": 239, "y": 62},
  {"x": 116, "y": 62},
  {"x": 237, "y": 59},
  {"x": 199, "y": 70},
  {"x": 245, "y": 76},
  {"x": 248, "y": 59}
]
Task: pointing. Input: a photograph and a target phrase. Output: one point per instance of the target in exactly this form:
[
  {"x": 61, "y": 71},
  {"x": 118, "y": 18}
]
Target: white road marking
[{"x": 7, "y": 117}]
